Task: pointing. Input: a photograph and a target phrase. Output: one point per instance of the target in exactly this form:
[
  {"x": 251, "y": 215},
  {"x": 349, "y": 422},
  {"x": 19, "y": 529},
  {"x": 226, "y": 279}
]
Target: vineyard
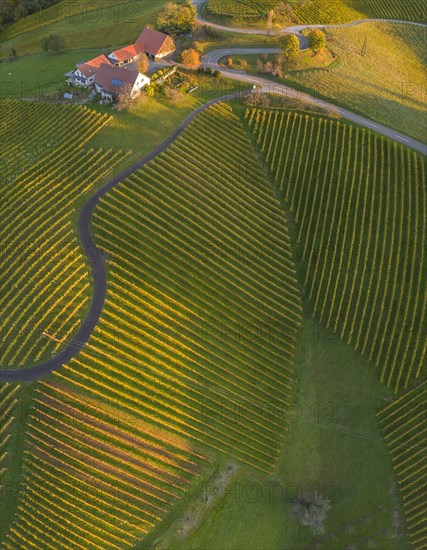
[
  {"x": 361, "y": 215},
  {"x": 46, "y": 170},
  {"x": 203, "y": 310},
  {"x": 9, "y": 398},
  {"x": 403, "y": 424},
  {"x": 319, "y": 11},
  {"x": 193, "y": 354},
  {"x": 379, "y": 75},
  {"x": 95, "y": 477}
]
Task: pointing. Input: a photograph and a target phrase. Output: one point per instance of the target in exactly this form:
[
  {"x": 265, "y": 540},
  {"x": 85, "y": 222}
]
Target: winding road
[
  {"x": 96, "y": 256},
  {"x": 97, "y": 260}
]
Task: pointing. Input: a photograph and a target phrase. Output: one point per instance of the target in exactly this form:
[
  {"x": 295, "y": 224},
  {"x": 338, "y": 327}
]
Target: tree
[
  {"x": 270, "y": 19},
  {"x": 316, "y": 40},
  {"x": 57, "y": 43},
  {"x": 143, "y": 63},
  {"x": 289, "y": 44},
  {"x": 149, "y": 91},
  {"x": 230, "y": 61},
  {"x": 311, "y": 510},
  {"x": 53, "y": 42},
  {"x": 177, "y": 18},
  {"x": 190, "y": 58}
]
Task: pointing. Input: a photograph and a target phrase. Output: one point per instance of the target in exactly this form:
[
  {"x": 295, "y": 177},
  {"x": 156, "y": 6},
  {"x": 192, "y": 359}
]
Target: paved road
[
  {"x": 97, "y": 262},
  {"x": 212, "y": 58}
]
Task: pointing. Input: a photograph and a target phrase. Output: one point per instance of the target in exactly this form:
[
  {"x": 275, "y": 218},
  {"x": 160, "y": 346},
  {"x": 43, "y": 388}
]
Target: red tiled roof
[
  {"x": 151, "y": 41},
  {"x": 125, "y": 53},
  {"x": 89, "y": 68},
  {"x": 111, "y": 78}
]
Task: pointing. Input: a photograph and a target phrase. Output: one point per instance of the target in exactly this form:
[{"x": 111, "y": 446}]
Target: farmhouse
[
  {"x": 124, "y": 55},
  {"x": 110, "y": 81},
  {"x": 85, "y": 71},
  {"x": 154, "y": 43}
]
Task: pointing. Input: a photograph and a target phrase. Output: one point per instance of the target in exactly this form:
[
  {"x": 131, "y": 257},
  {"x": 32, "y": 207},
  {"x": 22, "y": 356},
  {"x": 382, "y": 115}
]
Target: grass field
[
  {"x": 254, "y": 12},
  {"x": 47, "y": 171},
  {"x": 39, "y": 75},
  {"x": 147, "y": 124},
  {"x": 333, "y": 445},
  {"x": 360, "y": 211},
  {"x": 379, "y": 75},
  {"x": 109, "y": 23}
]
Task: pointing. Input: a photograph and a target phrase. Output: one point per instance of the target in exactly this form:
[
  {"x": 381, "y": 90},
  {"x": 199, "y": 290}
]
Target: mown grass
[
  {"x": 379, "y": 75},
  {"x": 148, "y": 123}
]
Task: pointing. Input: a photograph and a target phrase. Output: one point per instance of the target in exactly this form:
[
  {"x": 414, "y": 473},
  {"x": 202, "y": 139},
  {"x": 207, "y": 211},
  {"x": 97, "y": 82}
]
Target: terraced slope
[
  {"x": 47, "y": 171},
  {"x": 403, "y": 423},
  {"x": 361, "y": 214}
]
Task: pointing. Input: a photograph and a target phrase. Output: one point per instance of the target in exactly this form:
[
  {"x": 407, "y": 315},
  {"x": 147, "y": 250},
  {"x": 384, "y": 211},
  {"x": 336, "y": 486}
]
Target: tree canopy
[
  {"x": 143, "y": 63},
  {"x": 177, "y": 18},
  {"x": 53, "y": 42},
  {"x": 289, "y": 44},
  {"x": 190, "y": 58},
  {"x": 316, "y": 40}
]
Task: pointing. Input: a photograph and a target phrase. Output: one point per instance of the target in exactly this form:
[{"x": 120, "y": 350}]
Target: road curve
[
  {"x": 96, "y": 260},
  {"x": 212, "y": 58}
]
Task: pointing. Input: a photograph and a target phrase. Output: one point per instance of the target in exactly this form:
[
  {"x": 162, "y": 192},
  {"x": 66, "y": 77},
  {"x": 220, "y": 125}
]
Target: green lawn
[
  {"x": 381, "y": 75},
  {"x": 333, "y": 444},
  {"x": 39, "y": 75}
]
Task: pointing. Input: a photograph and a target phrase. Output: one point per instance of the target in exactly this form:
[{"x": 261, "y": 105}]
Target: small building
[
  {"x": 124, "y": 55},
  {"x": 85, "y": 71},
  {"x": 155, "y": 44},
  {"x": 112, "y": 80}
]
